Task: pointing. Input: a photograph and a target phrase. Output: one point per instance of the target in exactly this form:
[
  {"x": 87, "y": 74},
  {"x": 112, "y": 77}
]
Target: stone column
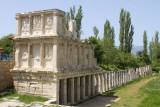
[
  {"x": 72, "y": 55},
  {"x": 42, "y": 24},
  {"x": 97, "y": 84},
  {"x": 55, "y": 56},
  {"x": 42, "y": 54},
  {"x": 83, "y": 87},
  {"x": 102, "y": 83},
  {"x": 29, "y": 55},
  {"x": 89, "y": 85},
  {"x": 65, "y": 91},
  {"x": 30, "y": 25},
  {"x": 18, "y": 25},
  {"x": 57, "y": 91},
  {"x": 109, "y": 81},
  {"x": 65, "y": 53},
  {"x": 17, "y": 56},
  {"x": 79, "y": 55},
  {"x": 112, "y": 79},
  {"x": 105, "y": 88},
  {"x": 115, "y": 73},
  {"x": 93, "y": 85},
  {"x": 78, "y": 89},
  {"x": 72, "y": 90},
  {"x": 107, "y": 85},
  {"x": 55, "y": 23}
]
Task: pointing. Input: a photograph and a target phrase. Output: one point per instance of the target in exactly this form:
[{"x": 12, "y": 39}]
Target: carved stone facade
[{"x": 51, "y": 61}]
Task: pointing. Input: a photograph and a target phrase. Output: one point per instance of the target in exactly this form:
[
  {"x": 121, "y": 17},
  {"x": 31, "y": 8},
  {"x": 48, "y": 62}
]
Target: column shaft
[
  {"x": 93, "y": 85},
  {"x": 72, "y": 90},
  {"x": 65, "y": 91},
  {"x": 78, "y": 89}
]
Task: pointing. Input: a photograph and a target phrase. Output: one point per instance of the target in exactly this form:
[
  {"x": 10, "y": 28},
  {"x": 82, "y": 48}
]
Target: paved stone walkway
[{"x": 99, "y": 101}]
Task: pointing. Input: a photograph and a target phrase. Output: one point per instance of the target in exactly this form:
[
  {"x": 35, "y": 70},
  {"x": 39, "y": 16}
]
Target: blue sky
[{"x": 145, "y": 14}]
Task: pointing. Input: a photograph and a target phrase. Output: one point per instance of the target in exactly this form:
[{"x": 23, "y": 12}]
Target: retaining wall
[{"x": 6, "y": 78}]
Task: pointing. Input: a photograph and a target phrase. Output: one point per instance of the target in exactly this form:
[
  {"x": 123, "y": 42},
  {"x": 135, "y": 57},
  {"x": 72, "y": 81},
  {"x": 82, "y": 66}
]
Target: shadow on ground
[{"x": 99, "y": 101}]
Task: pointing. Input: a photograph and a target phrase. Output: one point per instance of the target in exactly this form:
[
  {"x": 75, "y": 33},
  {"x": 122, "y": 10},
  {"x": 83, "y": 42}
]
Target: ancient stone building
[{"x": 51, "y": 61}]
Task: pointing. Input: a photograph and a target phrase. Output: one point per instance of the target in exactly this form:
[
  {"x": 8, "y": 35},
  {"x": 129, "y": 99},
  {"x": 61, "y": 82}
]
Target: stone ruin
[{"x": 50, "y": 61}]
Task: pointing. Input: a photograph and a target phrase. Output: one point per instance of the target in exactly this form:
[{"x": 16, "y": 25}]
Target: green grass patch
[
  {"x": 114, "y": 90},
  {"x": 130, "y": 93},
  {"x": 152, "y": 89},
  {"x": 24, "y": 98}
]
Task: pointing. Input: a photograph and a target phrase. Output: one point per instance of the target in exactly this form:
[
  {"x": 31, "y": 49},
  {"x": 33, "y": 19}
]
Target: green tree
[
  {"x": 122, "y": 27},
  {"x": 156, "y": 46},
  {"x": 113, "y": 36},
  {"x": 95, "y": 31},
  {"x": 109, "y": 34},
  {"x": 151, "y": 50},
  {"x": 67, "y": 20},
  {"x": 126, "y": 32},
  {"x": 77, "y": 17},
  {"x": 98, "y": 49},
  {"x": 145, "y": 43},
  {"x": 130, "y": 39},
  {"x": 7, "y": 45}
]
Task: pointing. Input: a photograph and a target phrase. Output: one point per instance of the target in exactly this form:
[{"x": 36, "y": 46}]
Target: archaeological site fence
[{"x": 6, "y": 78}]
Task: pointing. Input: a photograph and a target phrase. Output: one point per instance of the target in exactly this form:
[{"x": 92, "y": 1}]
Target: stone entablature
[{"x": 44, "y": 23}]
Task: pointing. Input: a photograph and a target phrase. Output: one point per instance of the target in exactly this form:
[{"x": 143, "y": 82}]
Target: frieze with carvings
[
  {"x": 36, "y": 22},
  {"x": 48, "y": 24},
  {"x": 25, "y": 24}
]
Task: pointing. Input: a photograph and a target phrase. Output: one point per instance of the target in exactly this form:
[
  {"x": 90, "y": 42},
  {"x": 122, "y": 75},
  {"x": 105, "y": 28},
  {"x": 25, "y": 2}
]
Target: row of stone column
[{"x": 76, "y": 89}]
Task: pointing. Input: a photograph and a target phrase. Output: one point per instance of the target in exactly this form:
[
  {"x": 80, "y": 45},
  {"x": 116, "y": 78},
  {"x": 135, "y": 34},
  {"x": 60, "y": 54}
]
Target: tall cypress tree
[
  {"x": 78, "y": 18},
  {"x": 113, "y": 36},
  {"x": 156, "y": 46},
  {"x": 145, "y": 43},
  {"x": 126, "y": 31},
  {"x": 107, "y": 29},
  {"x": 151, "y": 50},
  {"x": 95, "y": 31},
  {"x": 121, "y": 34},
  {"x": 130, "y": 39}
]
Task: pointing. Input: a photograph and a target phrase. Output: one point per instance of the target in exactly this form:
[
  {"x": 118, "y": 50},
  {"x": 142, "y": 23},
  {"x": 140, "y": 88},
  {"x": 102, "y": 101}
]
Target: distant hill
[{"x": 135, "y": 49}]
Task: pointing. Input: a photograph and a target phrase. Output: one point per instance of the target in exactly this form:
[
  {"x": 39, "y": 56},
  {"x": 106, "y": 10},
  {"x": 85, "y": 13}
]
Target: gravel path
[{"x": 99, "y": 101}]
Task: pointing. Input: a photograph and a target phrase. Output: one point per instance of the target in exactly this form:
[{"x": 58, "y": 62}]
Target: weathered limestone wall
[{"x": 6, "y": 78}]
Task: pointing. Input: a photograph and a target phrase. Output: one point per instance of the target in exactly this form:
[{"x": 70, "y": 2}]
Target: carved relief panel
[
  {"x": 48, "y": 24},
  {"x": 36, "y": 25},
  {"x": 25, "y": 26},
  {"x": 35, "y": 55},
  {"x": 24, "y": 55},
  {"x": 48, "y": 54}
]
